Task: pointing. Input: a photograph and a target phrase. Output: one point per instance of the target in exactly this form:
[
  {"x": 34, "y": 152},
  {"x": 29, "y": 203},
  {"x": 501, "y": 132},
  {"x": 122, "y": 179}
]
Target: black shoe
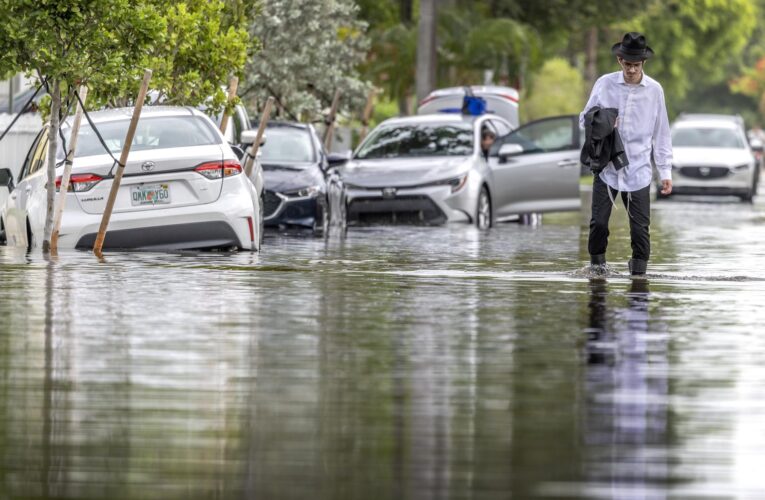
[
  {"x": 637, "y": 266},
  {"x": 598, "y": 260}
]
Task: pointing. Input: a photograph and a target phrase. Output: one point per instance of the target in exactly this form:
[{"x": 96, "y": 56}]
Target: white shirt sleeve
[{"x": 662, "y": 140}]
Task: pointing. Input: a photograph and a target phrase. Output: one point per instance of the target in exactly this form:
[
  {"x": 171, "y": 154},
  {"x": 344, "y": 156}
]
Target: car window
[
  {"x": 707, "y": 137},
  {"x": 551, "y": 134},
  {"x": 419, "y": 139},
  {"x": 30, "y": 154},
  {"x": 151, "y": 133},
  {"x": 40, "y": 156},
  {"x": 287, "y": 145}
]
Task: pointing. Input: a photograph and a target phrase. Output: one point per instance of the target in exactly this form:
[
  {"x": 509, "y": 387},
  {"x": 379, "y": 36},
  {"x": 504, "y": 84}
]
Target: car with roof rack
[{"x": 431, "y": 169}]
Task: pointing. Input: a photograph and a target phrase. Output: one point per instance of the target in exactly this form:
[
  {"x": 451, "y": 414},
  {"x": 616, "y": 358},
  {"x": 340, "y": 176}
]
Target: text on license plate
[{"x": 150, "y": 194}]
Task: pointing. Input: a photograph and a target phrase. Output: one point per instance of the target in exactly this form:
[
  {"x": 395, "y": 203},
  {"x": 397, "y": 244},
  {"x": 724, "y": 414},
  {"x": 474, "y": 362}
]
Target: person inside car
[{"x": 487, "y": 139}]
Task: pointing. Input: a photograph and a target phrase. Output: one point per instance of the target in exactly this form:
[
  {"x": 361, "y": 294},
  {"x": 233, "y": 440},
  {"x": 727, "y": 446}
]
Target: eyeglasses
[{"x": 636, "y": 66}]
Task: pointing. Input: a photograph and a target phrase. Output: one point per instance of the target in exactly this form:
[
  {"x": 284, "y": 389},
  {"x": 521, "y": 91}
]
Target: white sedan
[
  {"x": 183, "y": 187},
  {"x": 711, "y": 156}
]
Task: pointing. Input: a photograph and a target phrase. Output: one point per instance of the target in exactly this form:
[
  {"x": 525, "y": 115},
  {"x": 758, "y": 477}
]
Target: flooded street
[{"x": 394, "y": 363}]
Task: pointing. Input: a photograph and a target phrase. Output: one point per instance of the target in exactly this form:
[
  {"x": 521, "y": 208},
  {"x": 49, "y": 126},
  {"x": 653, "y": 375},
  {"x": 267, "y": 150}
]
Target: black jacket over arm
[{"x": 602, "y": 143}]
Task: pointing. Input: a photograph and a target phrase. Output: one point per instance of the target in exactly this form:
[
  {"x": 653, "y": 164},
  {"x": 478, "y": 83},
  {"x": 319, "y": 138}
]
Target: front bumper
[
  {"x": 281, "y": 210},
  {"x": 712, "y": 180},
  {"x": 430, "y": 205}
]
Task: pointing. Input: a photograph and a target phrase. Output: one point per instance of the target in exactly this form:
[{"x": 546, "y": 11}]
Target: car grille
[
  {"x": 399, "y": 210},
  {"x": 705, "y": 172},
  {"x": 271, "y": 203}
]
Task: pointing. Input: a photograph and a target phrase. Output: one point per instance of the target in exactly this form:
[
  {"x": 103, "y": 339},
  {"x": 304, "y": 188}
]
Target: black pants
[{"x": 638, "y": 204}]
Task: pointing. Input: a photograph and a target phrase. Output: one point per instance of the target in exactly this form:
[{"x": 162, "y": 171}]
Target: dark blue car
[{"x": 301, "y": 188}]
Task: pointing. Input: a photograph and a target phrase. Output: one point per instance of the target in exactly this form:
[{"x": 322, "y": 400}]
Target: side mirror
[
  {"x": 508, "y": 150},
  {"x": 338, "y": 159},
  {"x": 248, "y": 136},
  {"x": 757, "y": 145},
  {"x": 6, "y": 178}
]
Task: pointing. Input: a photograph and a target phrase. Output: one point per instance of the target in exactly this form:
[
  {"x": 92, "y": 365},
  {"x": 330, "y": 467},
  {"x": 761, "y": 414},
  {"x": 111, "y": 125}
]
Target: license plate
[{"x": 150, "y": 194}]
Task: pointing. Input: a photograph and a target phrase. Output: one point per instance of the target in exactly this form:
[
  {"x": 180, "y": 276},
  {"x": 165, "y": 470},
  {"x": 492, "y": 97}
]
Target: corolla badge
[
  {"x": 389, "y": 192},
  {"x": 147, "y": 166}
]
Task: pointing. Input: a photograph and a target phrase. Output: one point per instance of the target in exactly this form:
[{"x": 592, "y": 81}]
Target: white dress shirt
[{"x": 643, "y": 126}]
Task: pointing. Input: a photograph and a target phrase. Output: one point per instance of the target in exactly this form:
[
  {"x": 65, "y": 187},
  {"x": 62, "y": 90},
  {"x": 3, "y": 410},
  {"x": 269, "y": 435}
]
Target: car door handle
[
  {"x": 28, "y": 189},
  {"x": 13, "y": 195},
  {"x": 568, "y": 163}
]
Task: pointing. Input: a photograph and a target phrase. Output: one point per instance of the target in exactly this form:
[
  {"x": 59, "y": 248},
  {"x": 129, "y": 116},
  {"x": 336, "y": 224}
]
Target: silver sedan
[{"x": 430, "y": 169}]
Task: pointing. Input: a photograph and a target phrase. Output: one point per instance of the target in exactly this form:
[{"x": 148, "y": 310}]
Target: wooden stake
[
  {"x": 232, "y": 85},
  {"x": 329, "y": 131},
  {"x": 64, "y": 188},
  {"x": 98, "y": 246},
  {"x": 256, "y": 143},
  {"x": 367, "y": 114}
]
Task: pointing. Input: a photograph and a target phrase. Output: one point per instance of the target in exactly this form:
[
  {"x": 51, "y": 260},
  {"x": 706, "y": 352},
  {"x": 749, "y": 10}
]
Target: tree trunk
[
  {"x": 591, "y": 58},
  {"x": 405, "y": 12},
  {"x": 403, "y": 105},
  {"x": 50, "y": 185},
  {"x": 426, "y": 49}
]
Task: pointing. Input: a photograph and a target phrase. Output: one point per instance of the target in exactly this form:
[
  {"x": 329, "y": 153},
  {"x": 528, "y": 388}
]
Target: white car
[
  {"x": 711, "y": 156},
  {"x": 183, "y": 187}
]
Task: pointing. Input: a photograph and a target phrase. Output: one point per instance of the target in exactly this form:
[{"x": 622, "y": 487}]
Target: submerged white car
[
  {"x": 183, "y": 187},
  {"x": 711, "y": 156}
]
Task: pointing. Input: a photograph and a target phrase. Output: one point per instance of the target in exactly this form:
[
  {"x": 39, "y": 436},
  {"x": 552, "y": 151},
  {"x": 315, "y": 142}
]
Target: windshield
[
  {"x": 287, "y": 145},
  {"x": 707, "y": 137},
  {"x": 151, "y": 133},
  {"x": 418, "y": 140}
]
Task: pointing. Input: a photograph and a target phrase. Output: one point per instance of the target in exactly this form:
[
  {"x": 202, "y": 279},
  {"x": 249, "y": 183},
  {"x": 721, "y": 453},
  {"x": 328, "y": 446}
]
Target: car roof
[
  {"x": 706, "y": 123},
  {"x": 278, "y": 123},
  {"x": 436, "y": 118},
  {"x": 117, "y": 114},
  {"x": 478, "y": 90},
  {"x": 737, "y": 119}
]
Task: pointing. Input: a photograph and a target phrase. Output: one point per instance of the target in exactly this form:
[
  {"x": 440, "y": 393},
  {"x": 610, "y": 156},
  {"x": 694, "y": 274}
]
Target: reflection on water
[
  {"x": 626, "y": 419},
  {"x": 394, "y": 363}
]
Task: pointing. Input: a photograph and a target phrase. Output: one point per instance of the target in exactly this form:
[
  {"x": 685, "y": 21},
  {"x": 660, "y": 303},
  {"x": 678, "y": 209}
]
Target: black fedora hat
[{"x": 632, "y": 48}]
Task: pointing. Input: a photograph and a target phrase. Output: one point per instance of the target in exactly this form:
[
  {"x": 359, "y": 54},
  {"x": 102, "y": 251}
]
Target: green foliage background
[{"x": 702, "y": 47}]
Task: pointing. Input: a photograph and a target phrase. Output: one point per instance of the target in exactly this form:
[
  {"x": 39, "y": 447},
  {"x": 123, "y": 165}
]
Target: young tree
[
  {"x": 72, "y": 42},
  {"x": 106, "y": 44},
  {"x": 309, "y": 49},
  {"x": 203, "y": 43}
]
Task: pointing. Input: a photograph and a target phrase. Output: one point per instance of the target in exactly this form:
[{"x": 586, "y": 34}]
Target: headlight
[
  {"x": 740, "y": 168},
  {"x": 456, "y": 183},
  {"x": 304, "y": 192}
]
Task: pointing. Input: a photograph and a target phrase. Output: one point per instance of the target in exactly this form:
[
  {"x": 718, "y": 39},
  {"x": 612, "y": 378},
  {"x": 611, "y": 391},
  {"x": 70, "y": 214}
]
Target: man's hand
[{"x": 666, "y": 187}]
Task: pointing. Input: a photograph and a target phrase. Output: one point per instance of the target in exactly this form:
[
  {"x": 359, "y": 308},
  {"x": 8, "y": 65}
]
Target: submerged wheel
[{"x": 483, "y": 211}]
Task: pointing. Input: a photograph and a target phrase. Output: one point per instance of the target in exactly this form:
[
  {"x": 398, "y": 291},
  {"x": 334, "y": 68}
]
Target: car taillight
[
  {"x": 214, "y": 169},
  {"x": 79, "y": 183}
]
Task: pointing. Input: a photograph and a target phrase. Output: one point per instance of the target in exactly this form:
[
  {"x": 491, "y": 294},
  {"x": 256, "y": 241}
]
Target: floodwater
[{"x": 395, "y": 363}]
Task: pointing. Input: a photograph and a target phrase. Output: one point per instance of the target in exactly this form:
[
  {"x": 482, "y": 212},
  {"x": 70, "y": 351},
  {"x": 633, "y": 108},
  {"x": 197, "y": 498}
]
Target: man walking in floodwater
[{"x": 643, "y": 127}]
